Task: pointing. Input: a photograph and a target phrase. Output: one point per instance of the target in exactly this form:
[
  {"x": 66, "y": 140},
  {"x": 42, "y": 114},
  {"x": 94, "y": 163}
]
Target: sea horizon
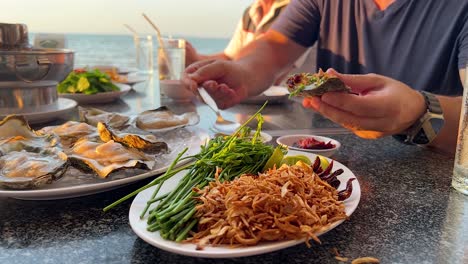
[{"x": 119, "y": 49}]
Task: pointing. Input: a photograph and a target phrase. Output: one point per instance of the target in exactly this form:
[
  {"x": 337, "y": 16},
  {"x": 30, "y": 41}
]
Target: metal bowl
[
  {"x": 19, "y": 96},
  {"x": 35, "y": 65}
]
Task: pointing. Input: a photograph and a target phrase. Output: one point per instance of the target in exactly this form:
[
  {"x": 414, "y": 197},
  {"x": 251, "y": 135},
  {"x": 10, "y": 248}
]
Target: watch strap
[{"x": 422, "y": 132}]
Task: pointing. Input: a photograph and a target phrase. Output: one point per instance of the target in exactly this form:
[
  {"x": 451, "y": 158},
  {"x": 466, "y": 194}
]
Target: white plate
[
  {"x": 274, "y": 95},
  {"x": 98, "y": 98},
  {"x": 120, "y": 70},
  {"x": 132, "y": 80},
  {"x": 76, "y": 183},
  {"x": 46, "y": 113},
  {"x": 139, "y": 226},
  {"x": 291, "y": 139}
]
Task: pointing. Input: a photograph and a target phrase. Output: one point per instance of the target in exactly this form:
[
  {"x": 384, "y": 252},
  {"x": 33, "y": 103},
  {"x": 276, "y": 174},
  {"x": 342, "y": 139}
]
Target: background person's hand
[
  {"x": 191, "y": 54},
  {"x": 225, "y": 81},
  {"x": 381, "y": 106}
]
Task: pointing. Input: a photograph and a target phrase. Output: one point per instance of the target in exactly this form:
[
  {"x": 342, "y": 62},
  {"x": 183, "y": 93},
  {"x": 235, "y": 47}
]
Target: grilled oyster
[
  {"x": 93, "y": 116},
  {"x": 70, "y": 132},
  {"x": 162, "y": 119},
  {"x": 27, "y": 159},
  {"x": 145, "y": 143},
  {"x": 308, "y": 84},
  {"x": 16, "y": 135},
  {"x": 25, "y": 170},
  {"x": 104, "y": 158}
]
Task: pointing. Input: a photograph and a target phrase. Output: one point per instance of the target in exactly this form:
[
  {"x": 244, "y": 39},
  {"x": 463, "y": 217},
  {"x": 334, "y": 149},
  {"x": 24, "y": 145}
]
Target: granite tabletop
[{"x": 408, "y": 213}]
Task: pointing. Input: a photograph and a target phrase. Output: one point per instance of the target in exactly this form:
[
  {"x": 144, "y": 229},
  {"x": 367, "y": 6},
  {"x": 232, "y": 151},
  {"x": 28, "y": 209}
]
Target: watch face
[
  {"x": 437, "y": 124},
  {"x": 429, "y": 130}
]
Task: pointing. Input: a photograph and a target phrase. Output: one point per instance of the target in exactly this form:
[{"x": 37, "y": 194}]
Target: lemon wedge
[
  {"x": 323, "y": 162},
  {"x": 291, "y": 160},
  {"x": 275, "y": 159}
]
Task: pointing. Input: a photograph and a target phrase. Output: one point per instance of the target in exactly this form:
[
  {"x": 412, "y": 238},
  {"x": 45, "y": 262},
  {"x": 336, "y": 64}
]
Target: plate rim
[
  {"x": 336, "y": 142},
  {"x": 261, "y": 98},
  {"x": 263, "y": 248},
  {"x": 64, "y": 104},
  {"x": 92, "y": 98},
  {"x": 90, "y": 188},
  {"x": 138, "y": 79}
]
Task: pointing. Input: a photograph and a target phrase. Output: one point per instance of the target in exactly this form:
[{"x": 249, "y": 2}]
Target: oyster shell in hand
[
  {"x": 104, "y": 158},
  {"x": 163, "y": 119},
  {"x": 145, "y": 143}
]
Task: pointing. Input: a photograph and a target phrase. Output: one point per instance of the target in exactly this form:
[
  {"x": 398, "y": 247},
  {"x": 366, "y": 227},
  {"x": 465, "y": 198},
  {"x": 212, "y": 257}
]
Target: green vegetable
[
  {"x": 87, "y": 82},
  {"x": 231, "y": 156},
  {"x": 309, "y": 80}
]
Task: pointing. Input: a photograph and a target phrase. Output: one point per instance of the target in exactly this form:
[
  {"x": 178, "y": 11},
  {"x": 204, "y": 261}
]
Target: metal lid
[
  {"x": 21, "y": 84},
  {"x": 14, "y": 36}
]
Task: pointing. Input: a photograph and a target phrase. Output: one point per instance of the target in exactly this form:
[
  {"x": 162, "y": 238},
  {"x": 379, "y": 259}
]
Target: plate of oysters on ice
[{"x": 102, "y": 151}]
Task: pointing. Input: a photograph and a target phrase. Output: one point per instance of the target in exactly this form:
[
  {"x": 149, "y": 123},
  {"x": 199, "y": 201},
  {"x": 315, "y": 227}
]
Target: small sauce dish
[{"x": 291, "y": 141}]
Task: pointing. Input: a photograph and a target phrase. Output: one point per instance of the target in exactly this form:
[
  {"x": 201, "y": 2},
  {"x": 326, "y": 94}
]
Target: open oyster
[
  {"x": 145, "y": 143},
  {"x": 27, "y": 159},
  {"x": 93, "y": 116},
  {"x": 163, "y": 119},
  {"x": 104, "y": 158},
  {"x": 70, "y": 132},
  {"x": 25, "y": 170}
]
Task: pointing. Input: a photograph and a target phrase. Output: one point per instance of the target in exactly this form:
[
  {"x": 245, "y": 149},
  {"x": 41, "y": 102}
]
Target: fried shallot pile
[{"x": 291, "y": 202}]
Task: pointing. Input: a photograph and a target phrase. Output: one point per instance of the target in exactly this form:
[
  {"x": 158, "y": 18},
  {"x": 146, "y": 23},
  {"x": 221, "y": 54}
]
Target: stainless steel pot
[
  {"x": 18, "y": 96},
  {"x": 14, "y": 36},
  {"x": 35, "y": 64}
]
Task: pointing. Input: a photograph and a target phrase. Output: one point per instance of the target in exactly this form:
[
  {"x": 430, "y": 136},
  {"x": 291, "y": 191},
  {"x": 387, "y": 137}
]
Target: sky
[{"x": 201, "y": 18}]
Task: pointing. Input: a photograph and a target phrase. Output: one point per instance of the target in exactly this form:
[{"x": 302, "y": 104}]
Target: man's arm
[
  {"x": 267, "y": 58},
  {"x": 191, "y": 55},
  {"x": 251, "y": 72},
  {"x": 447, "y": 138}
]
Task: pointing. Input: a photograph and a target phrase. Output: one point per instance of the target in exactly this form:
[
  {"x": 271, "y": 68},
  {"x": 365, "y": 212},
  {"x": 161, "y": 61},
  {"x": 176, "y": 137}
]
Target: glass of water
[
  {"x": 460, "y": 170},
  {"x": 171, "y": 66},
  {"x": 144, "y": 53}
]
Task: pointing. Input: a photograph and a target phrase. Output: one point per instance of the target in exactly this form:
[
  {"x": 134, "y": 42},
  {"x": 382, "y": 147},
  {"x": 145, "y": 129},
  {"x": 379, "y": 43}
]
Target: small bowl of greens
[{"x": 91, "y": 86}]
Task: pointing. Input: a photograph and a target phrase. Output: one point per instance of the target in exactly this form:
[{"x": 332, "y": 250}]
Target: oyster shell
[
  {"x": 25, "y": 170},
  {"x": 93, "y": 116},
  {"x": 163, "y": 119},
  {"x": 70, "y": 132},
  {"x": 27, "y": 159},
  {"x": 104, "y": 158},
  {"x": 145, "y": 143},
  {"x": 16, "y": 135}
]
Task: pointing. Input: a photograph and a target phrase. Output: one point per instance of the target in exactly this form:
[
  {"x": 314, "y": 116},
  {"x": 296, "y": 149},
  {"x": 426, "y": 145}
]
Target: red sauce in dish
[{"x": 312, "y": 143}]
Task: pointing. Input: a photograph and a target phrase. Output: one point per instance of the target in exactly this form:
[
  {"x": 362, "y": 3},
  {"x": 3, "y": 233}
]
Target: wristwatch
[{"x": 426, "y": 128}]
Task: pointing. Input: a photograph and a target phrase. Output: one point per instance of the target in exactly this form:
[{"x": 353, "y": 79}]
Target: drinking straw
[
  {"x": 161, "y": 44},
  {"x": 135, "y": 38},
  {"x": 131, "y": 29}
]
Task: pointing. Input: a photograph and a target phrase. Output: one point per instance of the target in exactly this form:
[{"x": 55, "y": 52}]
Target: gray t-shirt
[{"x": 422, "y": 43}]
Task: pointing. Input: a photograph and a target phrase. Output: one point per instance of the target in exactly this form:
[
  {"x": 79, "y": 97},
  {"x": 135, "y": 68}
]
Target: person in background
[
  {"x": 389, "y": 50},
  {"x": 255, "y": 21}
]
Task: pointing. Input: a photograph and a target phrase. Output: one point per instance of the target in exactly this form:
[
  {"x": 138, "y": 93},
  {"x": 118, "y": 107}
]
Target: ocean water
[{"x": 119, "y": 50}]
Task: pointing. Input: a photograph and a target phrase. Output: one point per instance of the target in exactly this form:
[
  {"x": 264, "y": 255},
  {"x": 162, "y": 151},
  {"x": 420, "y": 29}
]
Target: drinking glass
[
  {"x": 460, "y": 169},
  {"x": 171, "y": 66},
  {"x": 144, "y": 53}
]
